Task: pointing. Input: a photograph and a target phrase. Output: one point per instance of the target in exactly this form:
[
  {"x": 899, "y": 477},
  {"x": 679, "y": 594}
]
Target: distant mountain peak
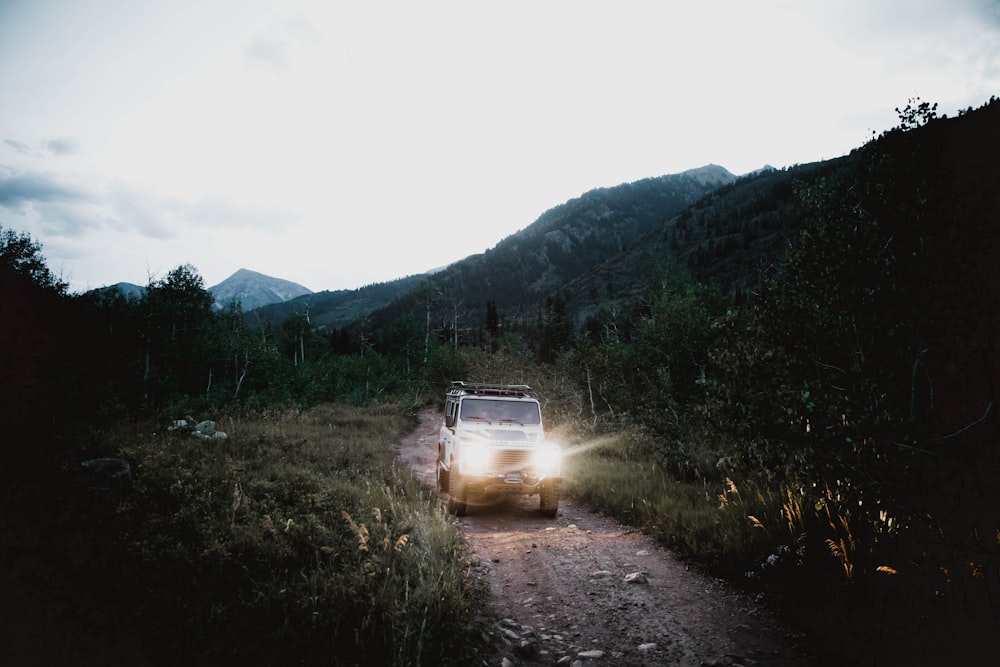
[
  {"x": 710, "y": 174},
  {"x": 253, "y": 290},
  {"x": 763, "y": 170}
]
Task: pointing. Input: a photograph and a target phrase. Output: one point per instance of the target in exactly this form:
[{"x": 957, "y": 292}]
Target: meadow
[{"x": 298, "y": 539}]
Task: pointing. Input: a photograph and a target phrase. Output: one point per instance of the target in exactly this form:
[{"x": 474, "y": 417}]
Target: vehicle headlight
[
  {"x": 548, "y": 460},
  {"x": 475, "y": 457}
]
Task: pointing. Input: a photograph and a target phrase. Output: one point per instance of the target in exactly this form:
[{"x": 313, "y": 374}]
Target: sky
[{"x": 338, "y": 144}]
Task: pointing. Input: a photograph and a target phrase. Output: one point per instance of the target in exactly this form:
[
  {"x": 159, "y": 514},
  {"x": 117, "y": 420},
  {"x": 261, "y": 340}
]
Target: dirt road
[{"x": 582, "y": 588}]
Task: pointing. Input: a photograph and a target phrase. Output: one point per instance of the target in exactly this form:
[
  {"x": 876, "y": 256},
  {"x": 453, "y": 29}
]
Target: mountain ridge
[
  {"x": 563, "y": 243},
  {"x": 256, "y": 291},
  {"x": 250, "y": 288}
]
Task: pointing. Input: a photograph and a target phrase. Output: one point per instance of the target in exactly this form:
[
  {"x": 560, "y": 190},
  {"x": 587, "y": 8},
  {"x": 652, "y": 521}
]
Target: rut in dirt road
[{"x": 583, "y": 587}]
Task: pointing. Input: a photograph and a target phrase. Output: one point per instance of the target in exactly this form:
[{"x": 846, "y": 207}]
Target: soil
[{"x": 584, "y": 589}]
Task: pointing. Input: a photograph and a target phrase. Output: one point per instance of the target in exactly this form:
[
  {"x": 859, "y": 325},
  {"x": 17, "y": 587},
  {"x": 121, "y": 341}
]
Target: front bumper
[
  {"x": 510, "y": 470},
  {"x": 511, "y": 483}
]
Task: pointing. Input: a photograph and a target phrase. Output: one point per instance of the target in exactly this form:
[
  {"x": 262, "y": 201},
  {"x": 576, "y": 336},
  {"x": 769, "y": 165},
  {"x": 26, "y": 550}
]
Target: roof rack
[{"x": 482, "y": 389}]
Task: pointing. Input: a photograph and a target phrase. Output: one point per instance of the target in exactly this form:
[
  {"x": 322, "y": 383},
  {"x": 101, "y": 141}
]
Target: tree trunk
[{"x": 427, "y": 333}]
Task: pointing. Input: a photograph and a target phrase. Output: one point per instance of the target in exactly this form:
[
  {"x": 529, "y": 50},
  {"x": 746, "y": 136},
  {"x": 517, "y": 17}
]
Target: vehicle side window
[{"x": 449, "y": 416}]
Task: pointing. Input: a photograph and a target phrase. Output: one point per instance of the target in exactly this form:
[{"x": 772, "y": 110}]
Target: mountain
[
  {"x": 604, "y": 250},
  {"x": 603, "y": 254},
  {"x": 724, "y": 238},
  {"x": 562, "y": 244},
  {"x": 742, "y": 229},
  {"x": 253, "y": 290},
  {"x": 111, "y": 292},
  {"x": 337, "y": 309},
  {"x": 610, "y": 249},
  {"x": 129, "y": 290}
]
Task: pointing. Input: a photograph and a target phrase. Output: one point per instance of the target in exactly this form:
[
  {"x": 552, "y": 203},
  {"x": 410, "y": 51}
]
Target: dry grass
[
  {"x": 617, "y": 475},
  {"x": 865, "y": 584},
  {"x": 299, "y": 539}
]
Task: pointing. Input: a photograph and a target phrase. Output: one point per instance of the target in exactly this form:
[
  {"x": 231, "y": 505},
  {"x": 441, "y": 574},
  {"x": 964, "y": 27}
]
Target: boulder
[{"x": 205, "y": 429}]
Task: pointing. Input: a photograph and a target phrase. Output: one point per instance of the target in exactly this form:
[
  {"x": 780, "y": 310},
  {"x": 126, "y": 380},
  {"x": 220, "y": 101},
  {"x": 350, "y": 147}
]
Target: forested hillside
[
  {"x": 517, "y": 274},
  {"x": 593, "y": 262},
  {"x": 726, "y": 239},
  {"x": 523, "y": 270},
  {"x": 790, "y": 380},
  {"x": 337, "y": 309}
]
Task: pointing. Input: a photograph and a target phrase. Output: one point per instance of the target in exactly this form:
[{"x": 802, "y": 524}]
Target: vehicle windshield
[{"x": 496, "y": 411}]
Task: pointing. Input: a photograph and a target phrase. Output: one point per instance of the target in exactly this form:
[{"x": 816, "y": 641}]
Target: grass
[
  {"x": 865, "y": 586},
  {"x": 299, "y": 539},
  {"x": 616, "y": 475}
]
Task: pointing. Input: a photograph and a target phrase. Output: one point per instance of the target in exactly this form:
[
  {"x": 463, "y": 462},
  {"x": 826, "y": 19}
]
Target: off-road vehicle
[{"x": 493, "y": 442}]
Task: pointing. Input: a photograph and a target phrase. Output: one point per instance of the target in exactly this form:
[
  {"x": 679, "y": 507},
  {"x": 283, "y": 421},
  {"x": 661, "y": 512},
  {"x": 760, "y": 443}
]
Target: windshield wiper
[{"x": 478, "y": 418}]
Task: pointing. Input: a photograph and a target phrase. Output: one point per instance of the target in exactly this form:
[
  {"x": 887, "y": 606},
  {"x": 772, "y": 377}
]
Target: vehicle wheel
[
  {"x": 548, "y": 503},
  {"x": 443, "y": 477},
  {"x": 456, "y": 498}
]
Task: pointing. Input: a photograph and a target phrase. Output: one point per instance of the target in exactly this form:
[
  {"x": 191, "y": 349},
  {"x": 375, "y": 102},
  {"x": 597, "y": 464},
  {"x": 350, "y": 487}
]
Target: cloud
[
  {"x": 60, "y": 207},
  {"x": 987, "y": 10},
  {"x": 135, "y": 209},
  {"x": 275, "y": 39},
  {"x": 60, "y": 146},
  {"x": 47, "y": 204},
  {"x": 220, "y": 212},
  {"x": 17, "y": 145},
  {"x": 27, "y": 188},
  {"x": 273, "y": 52},
  {"x": 63, "y": 146},
  {"x": 67, "y": 219},
  {"x": 148, "y": 213}
]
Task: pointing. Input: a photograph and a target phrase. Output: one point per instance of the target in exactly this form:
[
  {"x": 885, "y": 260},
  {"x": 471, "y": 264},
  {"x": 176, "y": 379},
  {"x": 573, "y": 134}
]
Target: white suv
[{"x": 492, "y": 442}]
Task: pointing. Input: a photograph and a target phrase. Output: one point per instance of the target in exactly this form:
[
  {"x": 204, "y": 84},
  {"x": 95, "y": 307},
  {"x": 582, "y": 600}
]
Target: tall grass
[
  {"x": 299, "y": 539},
  {"x": 866, "y": 586},
  {"x": 619, "y": 475}
]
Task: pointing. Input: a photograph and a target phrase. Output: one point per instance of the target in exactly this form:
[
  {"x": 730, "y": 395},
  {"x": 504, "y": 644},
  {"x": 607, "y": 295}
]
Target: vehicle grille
[{"x": 511, "y": 460}]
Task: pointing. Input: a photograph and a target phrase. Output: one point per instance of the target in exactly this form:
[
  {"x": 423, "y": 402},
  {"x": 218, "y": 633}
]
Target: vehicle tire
[
  {"x": 456, "y": 497},
  {"x": 548, "y": 503},
  {"x": 443, "y": 477}
]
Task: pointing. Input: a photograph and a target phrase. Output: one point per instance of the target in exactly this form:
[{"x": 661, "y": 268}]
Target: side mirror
[{"x": 449, "y": 421}]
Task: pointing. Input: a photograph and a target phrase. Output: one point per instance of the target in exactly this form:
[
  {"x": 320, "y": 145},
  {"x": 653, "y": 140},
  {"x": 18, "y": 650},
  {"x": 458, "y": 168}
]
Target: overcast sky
[{"x": 337, "y": 144}]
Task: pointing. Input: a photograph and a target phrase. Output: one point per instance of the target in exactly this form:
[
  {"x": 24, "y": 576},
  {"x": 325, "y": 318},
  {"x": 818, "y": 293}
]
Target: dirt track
[{"x": 582, "y": 587}]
